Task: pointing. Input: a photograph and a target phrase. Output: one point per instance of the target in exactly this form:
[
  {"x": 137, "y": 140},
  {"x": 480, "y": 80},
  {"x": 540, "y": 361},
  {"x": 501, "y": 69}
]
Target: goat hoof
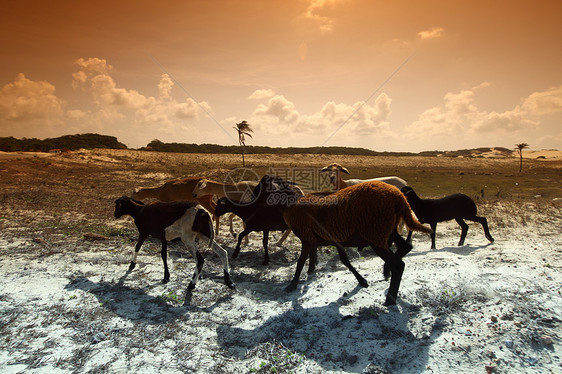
[
  {"x": 191, "y": 286},
  {"x": 489, "y": 237},
  {"x": 132, "y": 265},
  {"x": 265, "y": 262},
  {"x": 231, "y": 285},
  {"x": 363, "y": 283},
  {"x": 164, "y": 281},
  {"x": 389, "y": 302},
  {"x": 290, "y": 288}
]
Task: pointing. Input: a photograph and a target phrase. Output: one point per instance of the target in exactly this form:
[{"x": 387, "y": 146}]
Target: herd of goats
[{"x": 357, "y": 213}]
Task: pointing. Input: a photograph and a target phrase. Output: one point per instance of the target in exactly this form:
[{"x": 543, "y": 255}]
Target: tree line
[
  {"x": 63, "y": 143},
  {"x": 158, "y": 146}
]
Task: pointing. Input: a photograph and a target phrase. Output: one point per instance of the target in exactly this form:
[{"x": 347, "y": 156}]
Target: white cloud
[
  {"x": 94, "y": 65},
  {"x": 105, "y": 92},
  {"x": 261, "y": 94},
  {"x": 26, "y": 100},
  {"x": 165, "y": 87},
  {"x": 279, "y": 108},
  {"x": 433, "y": 33},
  {"x": 546, "y": 102},
  {"x": 31, "y": 108},
  {"x": 280, "y": 118},
  {"x": 460, "y": 123},
  {"x": 314, "y": 13},
  {"x": 114, "y": 103}
]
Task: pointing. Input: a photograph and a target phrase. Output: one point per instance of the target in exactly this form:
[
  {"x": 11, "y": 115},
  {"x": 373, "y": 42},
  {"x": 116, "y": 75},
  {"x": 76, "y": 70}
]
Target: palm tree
[
  {"x": 243, "y": 129},
  {"x": 520, "y": 148}
]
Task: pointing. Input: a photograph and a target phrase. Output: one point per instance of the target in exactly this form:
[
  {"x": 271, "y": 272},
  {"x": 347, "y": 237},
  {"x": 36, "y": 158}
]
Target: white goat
[{"x": 335, "y": 171}]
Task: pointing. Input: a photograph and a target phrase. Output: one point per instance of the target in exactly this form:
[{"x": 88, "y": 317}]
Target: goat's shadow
[
  {"x": 372, "y": 336},
  {"x": 463, "y": 250},
  {"x": 136, "y": 304}
]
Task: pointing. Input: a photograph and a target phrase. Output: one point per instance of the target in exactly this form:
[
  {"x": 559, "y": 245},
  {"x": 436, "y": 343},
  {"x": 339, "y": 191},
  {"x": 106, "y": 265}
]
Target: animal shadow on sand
[
  {"x": 136, "y": 304},
  {"x": 463, "y": 250},
  {"x": 376, "y": 336}
]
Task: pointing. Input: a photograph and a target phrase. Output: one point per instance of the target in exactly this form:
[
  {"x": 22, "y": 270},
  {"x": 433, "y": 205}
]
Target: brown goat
[
  {"x": 365, "y": 214},
  {"x": 178, "y": 190}
]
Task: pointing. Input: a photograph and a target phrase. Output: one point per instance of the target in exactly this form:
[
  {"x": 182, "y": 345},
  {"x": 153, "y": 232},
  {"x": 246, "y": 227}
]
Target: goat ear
[
  {"x": 202, "y": 183},
  {"x": 406, "y": 189},
  {"x": 137, "y": 201}
]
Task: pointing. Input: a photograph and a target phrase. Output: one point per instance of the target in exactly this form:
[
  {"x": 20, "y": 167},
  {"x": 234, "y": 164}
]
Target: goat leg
[
  {"x": 200, "y": 261},
  {"x": 141, "y": 240},
  {"x": 312, "y": 261},
  {"x": 283, "y": 237},
  {"x": 396, "y": 266},
  {"x": 464, "y": 228},
  {"x": 433, "y": 226},
  {"x": 164, "y": 255},
  {"x": 345, "y": 260},
  {"x": 403, "y": 248},
  {"x": 240, "y": 237},
  {"x": 266, "y": 251},
  {"x": 484, "y": 222},
  {"x": 305, "y": 252},
  {"x": 409, "y": 238}
]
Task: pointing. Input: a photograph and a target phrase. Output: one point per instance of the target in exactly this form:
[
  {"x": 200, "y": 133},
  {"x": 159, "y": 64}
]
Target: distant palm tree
[
  {"x": 243, "y": 129},
  {"x": 520, "y": 148}
]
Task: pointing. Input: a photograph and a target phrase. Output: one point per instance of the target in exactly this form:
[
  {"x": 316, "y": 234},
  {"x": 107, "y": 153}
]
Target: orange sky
[{"x": 385, "y": 75}]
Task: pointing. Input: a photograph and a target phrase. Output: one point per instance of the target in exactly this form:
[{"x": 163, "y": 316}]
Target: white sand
[{"x": 69, "y": 306}]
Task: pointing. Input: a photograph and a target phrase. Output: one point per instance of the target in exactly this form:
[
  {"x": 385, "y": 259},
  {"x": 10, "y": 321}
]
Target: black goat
[
  {"x": 170, "y": 220},
  {"x": 457, "y": 206},
  {"x": 256, "y": 217}
]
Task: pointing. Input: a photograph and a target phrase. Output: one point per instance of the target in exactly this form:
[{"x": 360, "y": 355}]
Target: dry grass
[{"x": 85, "y": 183}]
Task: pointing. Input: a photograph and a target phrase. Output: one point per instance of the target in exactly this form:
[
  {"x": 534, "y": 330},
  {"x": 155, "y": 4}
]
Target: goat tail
[{"x": 412, "y": 223}]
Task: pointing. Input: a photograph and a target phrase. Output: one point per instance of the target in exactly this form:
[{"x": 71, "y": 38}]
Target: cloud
[
  {"x": 280, "y": 118},
  {"x": 314, "y": 13},
  {"x": 546, "y": 102},
  {"x": 105, "y": 92},
  {"x": 165, "y": 87},
  {"x": 94, "y": 65},
  {"x": 26, "y": 100},
  {"x": 459, "y": 120},
  {"x": 433, "y": 33},
  {"x": 32, "y": 109},
  {"x": 279, "y": 108},
  {"x": 163, "y": 110},
  {"x": 261, "y": 94}
]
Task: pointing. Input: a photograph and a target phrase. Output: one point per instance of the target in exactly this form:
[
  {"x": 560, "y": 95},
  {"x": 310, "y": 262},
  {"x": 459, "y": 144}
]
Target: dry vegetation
[{"x": 67, "y": 303}]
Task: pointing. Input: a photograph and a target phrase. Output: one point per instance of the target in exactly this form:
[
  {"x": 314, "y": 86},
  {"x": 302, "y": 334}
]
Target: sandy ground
[
  {"x": 546, "y": 153},
  {"x": 69, "y": 305},
  {"x": 16, "y": 155},
  {"x": 73, "y": 307}
]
